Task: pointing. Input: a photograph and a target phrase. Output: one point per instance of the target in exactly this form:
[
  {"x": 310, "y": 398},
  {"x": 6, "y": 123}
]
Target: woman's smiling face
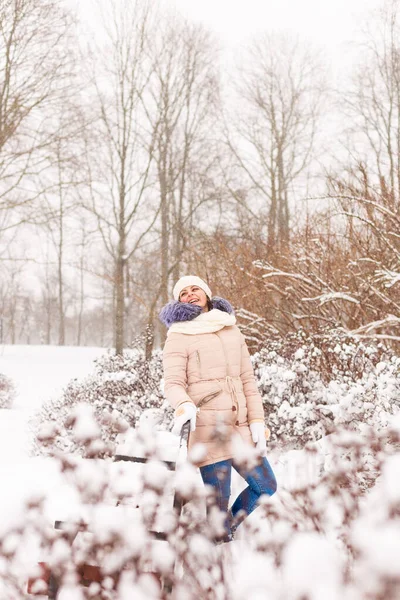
[{"x": 194, "y": 295}]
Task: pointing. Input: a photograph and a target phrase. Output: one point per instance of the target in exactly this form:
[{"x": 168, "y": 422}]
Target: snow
[
  {"x": 331, "y": 297},
  {"x": 39, "y": 374},
  {"x": 299, "y": 354},
  {"x": 86, "y": 427},
  {"x": 134, "y": 442},
  {"x": 280, "y": 530},
  {"x": 311, "y": 568},
  {"x": 390, "y": 479}
]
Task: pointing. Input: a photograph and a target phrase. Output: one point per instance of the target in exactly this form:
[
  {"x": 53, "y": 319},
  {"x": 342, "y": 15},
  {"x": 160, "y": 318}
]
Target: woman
[{"x": 209, "y": 380}]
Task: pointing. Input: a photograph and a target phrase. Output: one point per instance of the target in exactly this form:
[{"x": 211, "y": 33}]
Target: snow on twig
[
  {"x": 273, "y": 272},
  {"x": 380, "y": 336},
  {"x": 389, "y": 320},
  {"x": 330, "y": 297},
  {"x": 388, "y": 278}
]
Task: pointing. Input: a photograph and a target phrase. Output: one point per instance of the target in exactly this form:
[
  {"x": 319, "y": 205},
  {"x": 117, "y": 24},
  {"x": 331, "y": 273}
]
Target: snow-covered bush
[
  {"x": 119, "y": 389},
  {"x": 312, "y": 384},
  {"x": 309, "y": 385},
  {"x": 318, "y": 539},
  {"x": 7, "y": 392},
  {"x": 330, "y": 538},
  {"x": 120, "y": 506}
]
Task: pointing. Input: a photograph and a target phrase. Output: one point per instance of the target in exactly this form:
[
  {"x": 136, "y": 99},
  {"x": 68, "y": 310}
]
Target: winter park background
[{"x": 259, "y": 149}]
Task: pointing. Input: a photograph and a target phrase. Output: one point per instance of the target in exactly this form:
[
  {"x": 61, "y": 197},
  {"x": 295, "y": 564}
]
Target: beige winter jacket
[{"x": 214, "y": 371}]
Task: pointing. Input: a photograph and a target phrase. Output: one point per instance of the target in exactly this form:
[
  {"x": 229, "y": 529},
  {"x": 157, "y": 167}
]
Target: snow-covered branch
[{"x": 330, "y": 297}]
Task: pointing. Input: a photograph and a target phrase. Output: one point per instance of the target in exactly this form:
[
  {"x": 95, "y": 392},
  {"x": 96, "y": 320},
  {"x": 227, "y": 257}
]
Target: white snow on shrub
[{"x": 7, "y": 392}]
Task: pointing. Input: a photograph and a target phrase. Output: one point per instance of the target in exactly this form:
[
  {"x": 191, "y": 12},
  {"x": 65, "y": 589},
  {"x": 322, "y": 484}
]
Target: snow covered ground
[{"x": 39, "y": 374}]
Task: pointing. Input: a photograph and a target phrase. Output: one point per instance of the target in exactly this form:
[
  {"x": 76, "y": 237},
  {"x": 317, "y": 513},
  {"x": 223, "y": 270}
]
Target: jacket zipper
[
  {"x": 224, "y": 353},
  {"x": 198, "y": 361}
]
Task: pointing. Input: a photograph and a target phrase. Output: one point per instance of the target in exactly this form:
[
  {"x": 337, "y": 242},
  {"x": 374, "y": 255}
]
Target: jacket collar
[{"x": 178, "y": 312}]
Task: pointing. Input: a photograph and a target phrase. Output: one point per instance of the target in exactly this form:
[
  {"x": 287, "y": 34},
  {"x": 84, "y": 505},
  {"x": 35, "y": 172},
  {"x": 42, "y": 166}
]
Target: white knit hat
[{"x": 190, "y": 280}]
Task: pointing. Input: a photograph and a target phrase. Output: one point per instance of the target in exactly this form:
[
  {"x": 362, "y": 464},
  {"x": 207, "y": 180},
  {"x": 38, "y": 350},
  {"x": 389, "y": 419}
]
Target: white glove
[
  {"x": 260, "y": 434},
  {"x": 185, "y": 412}
]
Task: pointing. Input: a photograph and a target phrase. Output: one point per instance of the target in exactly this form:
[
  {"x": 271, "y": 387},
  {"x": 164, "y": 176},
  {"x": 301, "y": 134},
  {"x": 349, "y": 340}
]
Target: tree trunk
[
  {"x": 61, "y": 317},
  {"x": 119, "y": 304},
  {"x": 150, "y": 331},
  {"x": 120, "y": 263},
  {"x": 271, "y": 225},
  {"x": 48, "y": 323},
  {"x": 164, "y": 234},
  {"x": 81, "y": 304},
  {"x": 283, "y": 214}
]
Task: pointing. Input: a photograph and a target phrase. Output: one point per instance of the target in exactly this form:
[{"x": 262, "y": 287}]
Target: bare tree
[
  {"x": 373, "y": 102},
  {"x": 272, "y": 133},
  {"x": 10, "y": 295},
  {"x": 183, "y": 110},
  {"x": 119, "y": 154},
  {"x": 83, "y": 246},
  {"x": 62, "y": 181},
  {"x": 35, "y": 57}
]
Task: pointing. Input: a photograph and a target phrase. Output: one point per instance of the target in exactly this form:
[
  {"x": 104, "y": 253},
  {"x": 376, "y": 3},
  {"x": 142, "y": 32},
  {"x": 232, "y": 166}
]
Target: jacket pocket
[{"x": 205, "y": 399}]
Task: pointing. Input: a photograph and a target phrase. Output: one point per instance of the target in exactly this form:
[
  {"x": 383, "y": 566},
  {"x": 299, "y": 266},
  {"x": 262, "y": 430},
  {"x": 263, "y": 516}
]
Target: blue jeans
[{"x": 260, "y": 480}]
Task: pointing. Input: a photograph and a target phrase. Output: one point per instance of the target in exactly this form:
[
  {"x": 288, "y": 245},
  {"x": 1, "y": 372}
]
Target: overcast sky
[
  {"x": 331, "y": 24},
  {"x": 325, "y": 21}
]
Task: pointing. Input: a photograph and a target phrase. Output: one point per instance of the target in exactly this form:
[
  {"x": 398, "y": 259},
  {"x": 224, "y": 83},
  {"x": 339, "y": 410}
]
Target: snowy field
[{"x": 39, "y": 373}]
